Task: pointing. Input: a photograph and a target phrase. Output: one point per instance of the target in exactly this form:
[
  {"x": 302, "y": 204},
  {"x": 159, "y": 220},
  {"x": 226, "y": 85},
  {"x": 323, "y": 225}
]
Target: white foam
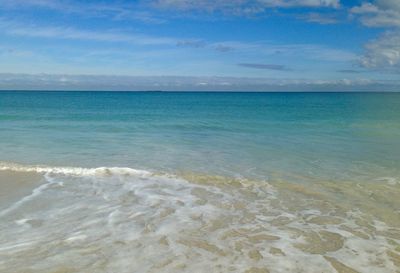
[
  {"x": 74, "y": 171},
  {"x": 389, "y": 180}
]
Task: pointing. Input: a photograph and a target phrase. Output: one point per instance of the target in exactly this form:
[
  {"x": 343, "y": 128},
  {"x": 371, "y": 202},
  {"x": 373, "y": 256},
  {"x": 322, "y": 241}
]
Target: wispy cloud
[
  {"x": 7, "y": 51},
  {"x": 86, "y": 9},
  {"x": 265, "y": 66},
  {"x": 161, "y": 11},
  {"x": 223, "y": 48},
  {"x": 319, "y": 18},
  {"x": 192, "y": 43},
  {"x": 17, "y": 29},
  {"x": 350, "y": 71},
  {"x": 241, "y": 7},
  {"x": 137, "y": 9},
  {"x": 50, "y": 4},
  {"x": 306, "y": 51}
]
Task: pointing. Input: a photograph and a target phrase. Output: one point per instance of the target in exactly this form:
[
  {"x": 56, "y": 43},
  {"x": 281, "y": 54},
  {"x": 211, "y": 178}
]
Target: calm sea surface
[{"x": 189, "y": 182}]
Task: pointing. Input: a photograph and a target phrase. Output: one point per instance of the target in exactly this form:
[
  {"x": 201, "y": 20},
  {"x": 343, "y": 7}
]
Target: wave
[
  {"x": 152, "y": 222},
  {"x": 73, "y": 171}
]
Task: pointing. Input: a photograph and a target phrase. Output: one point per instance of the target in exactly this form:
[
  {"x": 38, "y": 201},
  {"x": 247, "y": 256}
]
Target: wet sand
[{"x": 15, "y": 185}]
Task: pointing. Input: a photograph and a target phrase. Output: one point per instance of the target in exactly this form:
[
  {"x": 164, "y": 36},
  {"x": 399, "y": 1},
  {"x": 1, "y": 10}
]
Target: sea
[{"x": 199, "y": 182}]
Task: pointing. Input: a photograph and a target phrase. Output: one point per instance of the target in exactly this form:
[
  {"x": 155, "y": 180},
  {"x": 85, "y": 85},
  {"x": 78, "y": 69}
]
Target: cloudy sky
[{"x": 271, "y": 45}]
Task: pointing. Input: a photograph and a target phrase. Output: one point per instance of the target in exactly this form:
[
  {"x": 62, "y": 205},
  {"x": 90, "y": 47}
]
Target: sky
[{"x": 200, "y": 45}]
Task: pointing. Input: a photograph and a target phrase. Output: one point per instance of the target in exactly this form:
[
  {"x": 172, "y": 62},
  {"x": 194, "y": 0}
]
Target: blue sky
[{"x": 244, "y": 45}]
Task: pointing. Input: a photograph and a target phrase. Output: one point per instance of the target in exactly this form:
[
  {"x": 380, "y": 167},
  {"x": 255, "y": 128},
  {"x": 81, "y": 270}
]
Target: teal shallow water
[
  {"x": 334, "y": 134},
  {"x": 190, "y": 182}
]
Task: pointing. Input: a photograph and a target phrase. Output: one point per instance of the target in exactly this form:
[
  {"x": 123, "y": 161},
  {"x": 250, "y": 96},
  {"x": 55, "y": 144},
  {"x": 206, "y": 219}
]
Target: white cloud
[
  {"x": 383, "y": 13},
  {"x": 384, "y": 52},
  {"x": 388, "y": 4}
]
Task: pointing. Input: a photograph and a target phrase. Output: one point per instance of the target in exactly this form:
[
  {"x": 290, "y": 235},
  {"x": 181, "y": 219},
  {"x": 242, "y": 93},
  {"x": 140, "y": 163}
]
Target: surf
[{"x": 123, "y": 219}]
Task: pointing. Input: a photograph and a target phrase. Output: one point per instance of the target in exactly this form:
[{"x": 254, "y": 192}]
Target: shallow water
[{"x": 196, "y": 182}]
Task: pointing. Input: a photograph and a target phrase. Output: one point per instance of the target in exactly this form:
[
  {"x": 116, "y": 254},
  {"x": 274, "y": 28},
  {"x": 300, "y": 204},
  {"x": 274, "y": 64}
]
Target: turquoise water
[
  {"x": 189, "y": 182},
  {"x": 247, "y": 134}
]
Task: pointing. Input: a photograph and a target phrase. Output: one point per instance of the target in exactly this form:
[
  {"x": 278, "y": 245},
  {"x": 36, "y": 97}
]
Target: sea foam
[{"x": 74, "y": 171}]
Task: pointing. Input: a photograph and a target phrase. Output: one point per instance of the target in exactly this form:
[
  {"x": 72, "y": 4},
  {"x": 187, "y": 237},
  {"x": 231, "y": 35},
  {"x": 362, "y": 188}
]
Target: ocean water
[{"x": 190, "y": 182}]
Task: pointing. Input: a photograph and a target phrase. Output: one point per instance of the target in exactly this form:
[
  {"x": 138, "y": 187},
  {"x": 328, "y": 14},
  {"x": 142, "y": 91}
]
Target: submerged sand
[{"x": 16, "y": 185}]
